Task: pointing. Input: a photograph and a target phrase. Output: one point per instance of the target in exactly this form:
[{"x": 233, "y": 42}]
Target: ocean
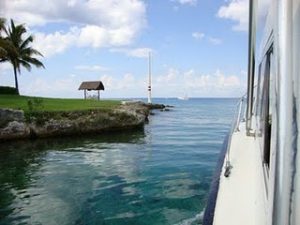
[{"x": 158, "y": 175}]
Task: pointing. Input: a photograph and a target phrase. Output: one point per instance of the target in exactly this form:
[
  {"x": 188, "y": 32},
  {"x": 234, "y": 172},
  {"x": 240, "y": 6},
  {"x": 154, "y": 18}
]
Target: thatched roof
[{"x": 91, "y": 85}]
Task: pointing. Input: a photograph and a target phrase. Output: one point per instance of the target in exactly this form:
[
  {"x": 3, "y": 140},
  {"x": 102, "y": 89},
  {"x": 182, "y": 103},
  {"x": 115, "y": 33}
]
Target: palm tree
[
  {"x": 3, "y": 43},
  {"x": 23, "y": 54},
  {"x": 2, "y": 25}
]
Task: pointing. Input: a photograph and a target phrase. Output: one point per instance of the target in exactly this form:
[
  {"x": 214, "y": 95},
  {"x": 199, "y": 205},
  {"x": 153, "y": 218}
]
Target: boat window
[
  {"x": 268, "y": 111},
  {"x": 260, "y": 94},
  {"x": 255, "y": 93},
  {"x": 265, "y": 116},
  {"x": 263, "y": 109},
  {"x": 257, "y": 109}
]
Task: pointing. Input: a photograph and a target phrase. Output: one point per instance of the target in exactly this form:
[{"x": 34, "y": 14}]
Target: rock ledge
[{"x": 15, "y": 124}]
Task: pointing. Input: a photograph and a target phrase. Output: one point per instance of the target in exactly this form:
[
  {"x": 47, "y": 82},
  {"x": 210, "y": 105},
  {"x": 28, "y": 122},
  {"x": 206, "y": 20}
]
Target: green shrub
[
  {"x": 35, "y": 107},
  {"x": 8, "y": 91},
  {"x": 35, "y": 104}
]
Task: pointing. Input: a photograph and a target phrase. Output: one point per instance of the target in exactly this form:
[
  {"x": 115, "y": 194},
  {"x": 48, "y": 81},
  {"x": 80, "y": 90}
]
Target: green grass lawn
[{"x": 54, "y": 104}]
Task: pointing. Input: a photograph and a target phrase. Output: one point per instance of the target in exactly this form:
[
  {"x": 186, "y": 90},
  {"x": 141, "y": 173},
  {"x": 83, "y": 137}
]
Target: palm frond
[
  {"x": 34, "y": 62},
  {"x": 15, "y": 33},
  {"x": 2, "y": 25},
  {"x": 26, "y": 42},
  {"x": 10, "y": 49},
  {"x": 36, "y": 52},
  {"x": 25, "y": 64},
  {"x": 3, "y": 53},
  {"x": 30, "y": 52}
]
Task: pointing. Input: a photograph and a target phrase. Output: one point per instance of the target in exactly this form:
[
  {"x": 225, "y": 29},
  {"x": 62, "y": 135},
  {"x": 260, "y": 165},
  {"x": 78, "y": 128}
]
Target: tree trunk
[{"x": 16, "y": 80}]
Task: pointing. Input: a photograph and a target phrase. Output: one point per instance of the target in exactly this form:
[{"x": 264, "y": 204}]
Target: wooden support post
[
  {"x": 98, "y": 95},
  {"x": 84, "y": 93}
]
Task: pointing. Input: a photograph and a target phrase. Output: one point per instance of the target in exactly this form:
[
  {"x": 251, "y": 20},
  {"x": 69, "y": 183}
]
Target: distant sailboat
[{"x": 185, "y": 97}]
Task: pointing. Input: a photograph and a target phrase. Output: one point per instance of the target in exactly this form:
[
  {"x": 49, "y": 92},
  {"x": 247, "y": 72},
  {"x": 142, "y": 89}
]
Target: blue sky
[{"x": 199, "y": 47}]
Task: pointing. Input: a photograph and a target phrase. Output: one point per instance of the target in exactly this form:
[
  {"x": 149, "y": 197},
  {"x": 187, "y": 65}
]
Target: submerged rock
[{"x": 156, "y": 106}]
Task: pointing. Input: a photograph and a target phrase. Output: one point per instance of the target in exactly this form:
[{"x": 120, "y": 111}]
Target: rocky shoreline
[{"x": 16, "y": 124}]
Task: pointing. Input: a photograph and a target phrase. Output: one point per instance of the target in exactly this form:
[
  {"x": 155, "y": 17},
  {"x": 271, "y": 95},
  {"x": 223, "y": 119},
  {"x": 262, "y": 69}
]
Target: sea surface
[{"x": 158, "y": 175}]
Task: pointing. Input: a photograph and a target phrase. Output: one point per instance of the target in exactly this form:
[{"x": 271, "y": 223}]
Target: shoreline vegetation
[{"x": 24, "y": 117}]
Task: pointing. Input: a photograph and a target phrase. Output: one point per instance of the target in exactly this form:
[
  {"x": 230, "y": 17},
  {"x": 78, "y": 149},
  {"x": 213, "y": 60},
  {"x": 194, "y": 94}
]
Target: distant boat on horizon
[{"x": 185, "y": 97}]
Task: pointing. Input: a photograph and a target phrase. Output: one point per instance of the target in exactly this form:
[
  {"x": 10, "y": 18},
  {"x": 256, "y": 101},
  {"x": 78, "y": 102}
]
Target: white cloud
[
  {"x": 169, "y": 78},
  {"x": 94, "y": 36},
  {"x": 198, "y": 35},
  {"x": 103, "y": 13},
  {"x": 95, "y": 23},
  {"x": 88, "y": 36},
  {"x": 216, "y": 84},
  {"x": 126, "y": 82},
  {"x": 64, "y": 86},
  {"x": 126, "y": 86},
  {"x": 55, "y": 43},
  {"x": 171, "y": 83},
  {"x": 186, "y": 2},
  {"x": 176, "y": 82},
  {"x": 140, "y": 52},
  {"x": 215, "y": 41},
  {"x": 95, "y": 68},
  {"x": 238, "y": 11},
  {"x": 212, "y": 40},
  {"x": 136, "y": 52}
]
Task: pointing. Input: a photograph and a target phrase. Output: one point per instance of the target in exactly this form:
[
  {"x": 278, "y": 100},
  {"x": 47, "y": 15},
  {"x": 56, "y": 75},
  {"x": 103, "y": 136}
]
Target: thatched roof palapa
[{"x": 91, "y": 85}]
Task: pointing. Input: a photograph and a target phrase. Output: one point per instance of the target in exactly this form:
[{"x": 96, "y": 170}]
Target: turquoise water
[{"x": 157, "y": 175}]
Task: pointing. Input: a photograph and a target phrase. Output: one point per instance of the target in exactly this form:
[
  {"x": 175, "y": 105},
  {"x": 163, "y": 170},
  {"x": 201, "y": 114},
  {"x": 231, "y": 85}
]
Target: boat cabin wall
[
  {"x": 276, "y": 112},
  {"x": 295, "y": 216}
]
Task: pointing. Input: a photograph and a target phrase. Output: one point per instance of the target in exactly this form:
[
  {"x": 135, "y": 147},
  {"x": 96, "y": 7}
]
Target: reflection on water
[
  {"x": 45, "y": 176},
  {"x": 159, "y": 175}
]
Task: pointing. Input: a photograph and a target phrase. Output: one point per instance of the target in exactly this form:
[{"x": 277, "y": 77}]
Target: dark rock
[
  {"x": 9, "y": 115},
  {"x": 13, "y": 130},
  {"x": 165, "y": 110},
  {"x": 156, "y": 106}
]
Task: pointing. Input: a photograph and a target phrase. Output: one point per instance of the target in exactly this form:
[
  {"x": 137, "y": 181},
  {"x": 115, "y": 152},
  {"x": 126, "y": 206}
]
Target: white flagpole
[{"x": 149, "y": 81}]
